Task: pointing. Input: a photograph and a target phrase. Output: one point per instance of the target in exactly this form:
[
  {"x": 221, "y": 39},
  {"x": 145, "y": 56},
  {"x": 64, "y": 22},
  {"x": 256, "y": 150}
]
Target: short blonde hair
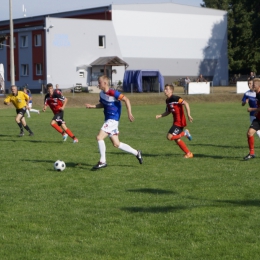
[
  {"x": 256, "y": 80},
  {"x": 105, "y": 78}
]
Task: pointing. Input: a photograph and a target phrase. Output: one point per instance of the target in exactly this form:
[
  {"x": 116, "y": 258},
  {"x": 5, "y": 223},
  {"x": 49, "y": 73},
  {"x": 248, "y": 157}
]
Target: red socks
[
  {"x": 183, "y": 146},
  {"x": 57, "y": 128},
  {"x": 175, "y": 137},
  {"x": 250, "y": 140},
  {"x": 70, "y": 133}
]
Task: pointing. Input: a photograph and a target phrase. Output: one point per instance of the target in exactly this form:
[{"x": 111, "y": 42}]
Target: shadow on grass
[
  {"x": 215, "y": 156},
  {"x": 217, "y": 145},
  {"x": 22, "y": 139},
  {"x": 152, "y": 191},
  {"x": 68, "y": 164},
  {"x": 247, "y": 203},
  {"x": 164, "y": 209}
]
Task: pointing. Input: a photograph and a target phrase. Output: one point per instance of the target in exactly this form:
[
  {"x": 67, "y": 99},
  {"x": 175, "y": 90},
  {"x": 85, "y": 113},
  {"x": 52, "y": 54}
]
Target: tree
[{"x": 243, "y": 33}]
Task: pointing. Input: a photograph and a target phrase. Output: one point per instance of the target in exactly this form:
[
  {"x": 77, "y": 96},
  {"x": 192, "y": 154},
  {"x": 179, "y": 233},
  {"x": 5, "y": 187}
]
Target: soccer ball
[{"x": 59, "y": 166}]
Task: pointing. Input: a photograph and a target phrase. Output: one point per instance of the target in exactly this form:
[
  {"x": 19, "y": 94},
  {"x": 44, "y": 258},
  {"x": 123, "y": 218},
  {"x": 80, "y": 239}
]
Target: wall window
[
  {"x": 14, "y": 42},
  {"x": 81, "y": 74},
  {"x": 102, "y": 41},
  {"x": 38, "y": 69},
  {"x": 38, "y": 40},
  {"x": 24, "y": 41},
  {"x": 25, "y": 70}
]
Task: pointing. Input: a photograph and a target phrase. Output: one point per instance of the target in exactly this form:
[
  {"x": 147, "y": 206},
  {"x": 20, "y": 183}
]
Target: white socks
[
  {"x": 127, "y": 148},
  {"x": 34, "y": 110},
  {"x": 28, "y": 113},
  {"x": 102, "y": 150}
]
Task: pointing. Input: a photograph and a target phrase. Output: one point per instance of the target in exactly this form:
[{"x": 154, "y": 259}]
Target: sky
[{"x": 40, "y": 7}]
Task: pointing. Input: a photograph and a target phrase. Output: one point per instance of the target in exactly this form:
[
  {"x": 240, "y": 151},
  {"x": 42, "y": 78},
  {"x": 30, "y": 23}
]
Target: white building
[{"x": 65, "y": 48}]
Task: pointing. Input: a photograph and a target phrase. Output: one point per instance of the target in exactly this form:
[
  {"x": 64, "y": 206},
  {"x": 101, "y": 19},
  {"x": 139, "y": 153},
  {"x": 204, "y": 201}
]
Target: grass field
[{"x": 207, "y": 207}]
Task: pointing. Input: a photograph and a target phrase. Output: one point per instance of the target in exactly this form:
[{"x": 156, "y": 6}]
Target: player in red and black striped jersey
[
  {"x": 174, "y": 106},
  {"x": 57, "y": 102},
  {"x": 255, "y": 125}
]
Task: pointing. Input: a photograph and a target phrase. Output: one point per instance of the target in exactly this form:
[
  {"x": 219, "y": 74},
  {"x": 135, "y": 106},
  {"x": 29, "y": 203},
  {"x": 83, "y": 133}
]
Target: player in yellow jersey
[{"x": 20, "y": 100}]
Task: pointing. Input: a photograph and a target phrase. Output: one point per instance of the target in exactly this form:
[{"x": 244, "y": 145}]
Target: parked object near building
[{"x": 117, "y": 38}]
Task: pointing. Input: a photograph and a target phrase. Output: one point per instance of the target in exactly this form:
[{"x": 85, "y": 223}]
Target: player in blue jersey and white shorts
[
  {"x": 30, "y": 109},
  {"x": 250, "y": 99},
  {"x": 110, "y": 100}
]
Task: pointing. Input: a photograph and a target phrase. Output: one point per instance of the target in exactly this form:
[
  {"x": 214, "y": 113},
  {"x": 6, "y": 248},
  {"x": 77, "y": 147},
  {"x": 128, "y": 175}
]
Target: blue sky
[{"x": 39, "y": 7}]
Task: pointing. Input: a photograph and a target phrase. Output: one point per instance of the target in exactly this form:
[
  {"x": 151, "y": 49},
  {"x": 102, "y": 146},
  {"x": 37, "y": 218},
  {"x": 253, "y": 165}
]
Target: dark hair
[
  {"x": 169, "y": 85},
  {"x": 49, "y": 85}
]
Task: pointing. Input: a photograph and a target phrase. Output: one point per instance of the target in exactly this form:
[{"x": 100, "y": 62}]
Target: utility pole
[{"x": 11, "y": 44}]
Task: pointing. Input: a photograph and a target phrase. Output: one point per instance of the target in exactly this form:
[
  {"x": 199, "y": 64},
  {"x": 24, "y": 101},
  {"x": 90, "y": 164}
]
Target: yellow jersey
[{"x": 19, "y": 101}]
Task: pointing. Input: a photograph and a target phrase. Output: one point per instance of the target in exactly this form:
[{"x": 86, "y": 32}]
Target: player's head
[
  {"x": 57, "y": 86},
  {"x": 168, "y": 90},
  {"x": 50, "y": 88},
  {"x": 103, "y": 82},
  {"x": 14, "y": 90},
  {"x": 256, "y": 85}
]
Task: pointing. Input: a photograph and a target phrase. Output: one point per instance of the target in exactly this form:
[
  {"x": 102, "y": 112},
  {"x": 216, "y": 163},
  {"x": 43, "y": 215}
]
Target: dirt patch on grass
[{"x": 218, "y": 94}]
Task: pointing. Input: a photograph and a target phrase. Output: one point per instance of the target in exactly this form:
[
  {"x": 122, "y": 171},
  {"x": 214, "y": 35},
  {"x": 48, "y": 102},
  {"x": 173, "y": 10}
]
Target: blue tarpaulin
[{"x": 143, "y": 81}]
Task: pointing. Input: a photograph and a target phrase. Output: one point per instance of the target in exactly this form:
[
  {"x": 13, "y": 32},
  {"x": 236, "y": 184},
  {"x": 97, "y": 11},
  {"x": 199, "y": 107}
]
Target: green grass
[{"x": 207, "y": 207}]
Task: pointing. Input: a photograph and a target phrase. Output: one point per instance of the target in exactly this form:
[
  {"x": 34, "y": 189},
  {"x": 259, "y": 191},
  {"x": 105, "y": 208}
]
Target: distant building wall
[
  {"x": 73, "y": 42},
  {"x": 176, "y": 39}
]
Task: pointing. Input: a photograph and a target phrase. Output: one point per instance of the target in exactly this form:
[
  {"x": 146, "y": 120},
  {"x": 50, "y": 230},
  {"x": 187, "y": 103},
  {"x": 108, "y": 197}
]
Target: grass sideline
[{"x": 168, "y": 208}]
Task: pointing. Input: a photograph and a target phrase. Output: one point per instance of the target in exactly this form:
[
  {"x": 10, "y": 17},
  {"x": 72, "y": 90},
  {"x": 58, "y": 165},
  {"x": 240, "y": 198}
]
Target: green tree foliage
[{"x": 243, "y": 32}]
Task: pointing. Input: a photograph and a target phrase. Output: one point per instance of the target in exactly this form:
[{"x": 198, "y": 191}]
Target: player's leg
[
  {"x": 28, "y": 113},
  {"x": 18, "y": 121},
  {"x": 26, "y": 127},
  {"x": 250, "y": 139},
  {"x": 102, "y": 149},
  {"x": 66, "y": 132},
  {"x": 35, "y": 110},
  {"x": 175, "y": 133},
  {"x": 111, "y": 128},
  {"x": 251, "y": 120},
  {"x": 126, "y": 148},
  {"x": 56, "y": 126}
]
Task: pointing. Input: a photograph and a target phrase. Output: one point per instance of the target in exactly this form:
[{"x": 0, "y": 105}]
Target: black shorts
[
  {"x": 21, "y": 111},
  {"x": 59, "y": 118},
  {"x": 255, "y": 124},
  {"x": 175, "y": 130}
]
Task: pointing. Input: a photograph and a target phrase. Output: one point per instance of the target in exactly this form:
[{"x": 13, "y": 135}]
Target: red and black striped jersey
[
  {"x": 55, "y": 102},
  {"x": 174, "y": 104}
]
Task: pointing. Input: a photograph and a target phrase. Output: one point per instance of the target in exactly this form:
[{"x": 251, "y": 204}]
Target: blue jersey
[
  {"x": 112, "y": 104},
  {"x": 251, "y": 96},
  {"x": 30, "y": 95}
]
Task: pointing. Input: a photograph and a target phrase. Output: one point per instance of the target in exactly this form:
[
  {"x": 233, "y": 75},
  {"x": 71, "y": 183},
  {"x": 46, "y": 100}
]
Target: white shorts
[
  {"x": 110, "y": 127},
  {"x": 30, "y": 105}
]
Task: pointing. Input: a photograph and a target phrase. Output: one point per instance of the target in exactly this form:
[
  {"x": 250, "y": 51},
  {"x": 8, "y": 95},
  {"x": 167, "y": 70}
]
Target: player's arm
[
  {"x": 128, "y": 107},
  {"x": 65, "y": 101},
  {"x": 187, "y": 108},
  {"x": 244, "y": 100},
  {"x": 7, "y": 101},
  {"x": 166, "y": 113},
  {"x": 45, "y": 106},
  {"x": 251, "y": 109},
  {"x": 99, "y": 105}
]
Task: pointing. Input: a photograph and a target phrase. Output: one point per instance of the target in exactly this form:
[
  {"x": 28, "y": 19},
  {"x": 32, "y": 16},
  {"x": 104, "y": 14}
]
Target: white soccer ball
[{"x": 59, "y": 166}]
